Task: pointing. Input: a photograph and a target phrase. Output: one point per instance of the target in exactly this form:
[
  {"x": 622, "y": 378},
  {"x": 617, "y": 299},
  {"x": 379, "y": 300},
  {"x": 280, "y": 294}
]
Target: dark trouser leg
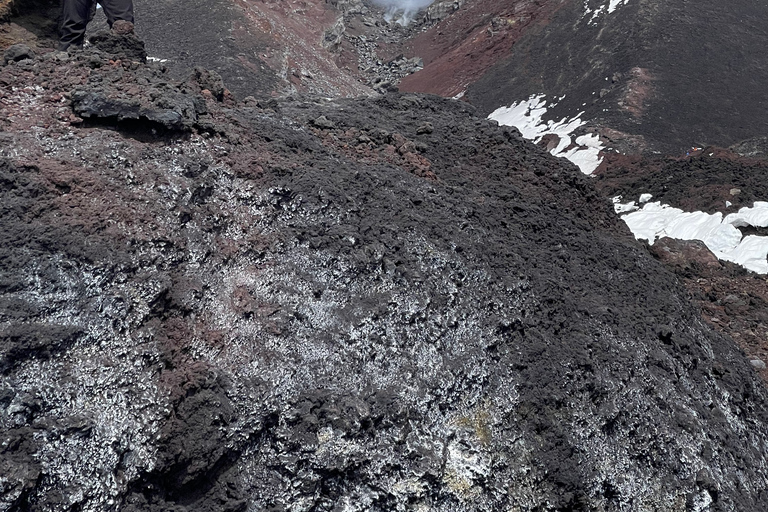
[
  {"x": 117, "y": 10},
  {"x": 75, "y": 15}
]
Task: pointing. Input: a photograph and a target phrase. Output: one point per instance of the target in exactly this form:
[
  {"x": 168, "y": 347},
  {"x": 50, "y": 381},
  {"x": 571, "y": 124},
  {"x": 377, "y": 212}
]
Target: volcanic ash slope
[
  {"x": 383, "y": 304},
  {"x": 651, "y": 75}
]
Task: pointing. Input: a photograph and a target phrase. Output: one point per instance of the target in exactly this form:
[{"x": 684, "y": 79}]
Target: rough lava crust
[{"x": 375, "y": 304}]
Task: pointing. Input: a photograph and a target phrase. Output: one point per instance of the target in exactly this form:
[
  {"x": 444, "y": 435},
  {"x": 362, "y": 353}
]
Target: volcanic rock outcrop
[{"x": 374, "y": 304}]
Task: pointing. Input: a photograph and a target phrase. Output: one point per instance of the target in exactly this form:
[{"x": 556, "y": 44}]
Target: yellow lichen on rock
[
  {"x": 461, "y": 486},
  {"x": 480, "y": 423}
]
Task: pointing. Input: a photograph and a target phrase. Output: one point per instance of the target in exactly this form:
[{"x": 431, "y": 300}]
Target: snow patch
[
  {"x": 719, "y": 234},
  {"x": 527, "y": 116},
  {"x": 615, "y": 3},
  {"x": 594, "y": 13},
  {"x": 620, "y": 207},
  {"x": 756, "y": 216},
  {"x": 751, "y": 254}
]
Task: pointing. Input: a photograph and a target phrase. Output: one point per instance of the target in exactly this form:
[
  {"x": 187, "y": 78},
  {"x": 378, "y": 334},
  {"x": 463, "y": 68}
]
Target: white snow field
[
  {"x": 719, "y": 234},
  {"x": 527, "y": 116}
]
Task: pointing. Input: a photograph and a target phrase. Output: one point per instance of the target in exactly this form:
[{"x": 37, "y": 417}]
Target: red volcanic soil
[
  {"x": 733, "y": 300},
  {"x": 296, "y": 29},
  {"x": 461, "y": 48},
  {"x": 259, "y": 48}
]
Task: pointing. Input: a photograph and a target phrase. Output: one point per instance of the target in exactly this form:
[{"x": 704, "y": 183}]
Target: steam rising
[{"x": 402, "y": 10}]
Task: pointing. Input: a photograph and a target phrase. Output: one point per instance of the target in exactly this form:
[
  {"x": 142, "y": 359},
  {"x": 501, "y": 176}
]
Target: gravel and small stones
[{"x": 380, "y": 73}]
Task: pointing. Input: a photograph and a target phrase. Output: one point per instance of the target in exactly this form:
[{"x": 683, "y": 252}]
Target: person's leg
[
  {"x": 117, "y": 10},
  {"x": 75, "y": 15},
  {"x": 92, "y": 13}
]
